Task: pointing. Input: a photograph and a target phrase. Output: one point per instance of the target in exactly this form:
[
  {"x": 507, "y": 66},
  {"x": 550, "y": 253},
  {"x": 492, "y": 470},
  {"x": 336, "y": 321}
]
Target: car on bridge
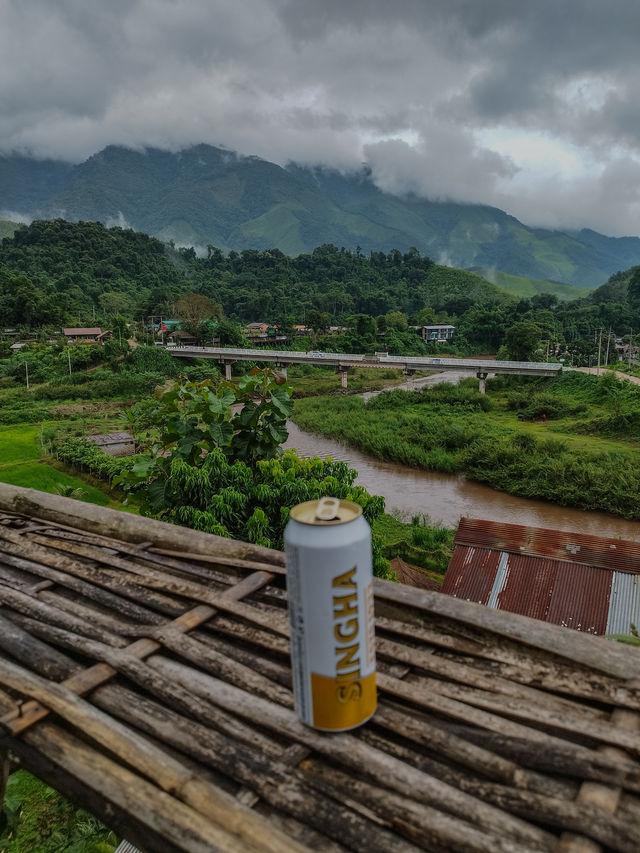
[{"x": 316, "y": 354}]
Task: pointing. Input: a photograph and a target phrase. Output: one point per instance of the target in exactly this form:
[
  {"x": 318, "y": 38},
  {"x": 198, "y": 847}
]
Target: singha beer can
[{"x": 330, "y": 590}]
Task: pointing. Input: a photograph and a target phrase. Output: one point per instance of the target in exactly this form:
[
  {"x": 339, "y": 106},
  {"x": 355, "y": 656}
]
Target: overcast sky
[{"x": 530, "y": 105}]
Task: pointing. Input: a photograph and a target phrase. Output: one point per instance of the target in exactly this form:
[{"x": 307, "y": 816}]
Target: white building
[{"x": 440, "y": 332}]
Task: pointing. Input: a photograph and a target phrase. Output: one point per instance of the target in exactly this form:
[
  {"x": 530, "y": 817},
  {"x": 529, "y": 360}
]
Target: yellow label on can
[{"x": 342, "y": 704}]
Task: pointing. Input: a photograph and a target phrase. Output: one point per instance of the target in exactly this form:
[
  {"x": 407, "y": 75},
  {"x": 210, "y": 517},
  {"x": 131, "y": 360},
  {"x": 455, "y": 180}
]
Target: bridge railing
[{"x": 349, "y": 359}]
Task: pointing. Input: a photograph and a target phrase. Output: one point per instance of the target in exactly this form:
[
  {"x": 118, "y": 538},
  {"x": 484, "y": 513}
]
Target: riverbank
[
  {"x": 445, "y": 498},
  {"x": 572, "y": 441}
]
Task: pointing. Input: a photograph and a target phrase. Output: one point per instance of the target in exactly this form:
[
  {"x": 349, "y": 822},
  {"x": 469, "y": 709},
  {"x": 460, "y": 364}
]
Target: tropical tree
[
  {"x": 216, "y": 463},
  {"x": 195, "y": 309},
  {"x": 522, "y": 340}
]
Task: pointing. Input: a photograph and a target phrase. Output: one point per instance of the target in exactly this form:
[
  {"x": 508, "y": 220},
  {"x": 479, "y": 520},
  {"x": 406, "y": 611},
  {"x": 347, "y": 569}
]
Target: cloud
[
  {"x": 415, "y": 88},
  {"x": 446, "y": 166}
]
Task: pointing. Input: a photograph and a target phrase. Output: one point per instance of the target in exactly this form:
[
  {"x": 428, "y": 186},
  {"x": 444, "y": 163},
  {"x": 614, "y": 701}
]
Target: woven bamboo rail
[{"x": 144, "y": 672}]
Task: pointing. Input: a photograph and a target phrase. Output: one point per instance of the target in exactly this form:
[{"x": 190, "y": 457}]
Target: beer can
[{"x": 330, "y": 591}]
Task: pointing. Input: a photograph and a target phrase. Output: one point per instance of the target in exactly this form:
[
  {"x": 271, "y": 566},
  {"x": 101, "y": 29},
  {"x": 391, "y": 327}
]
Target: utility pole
[
  {"x": 606, "y": 358},
  {"x": 26, "y": 370},
  {"x": 599, "y": 350},
  {"x": 69, "y": 358},
  {"x": 629, "y": 349}
]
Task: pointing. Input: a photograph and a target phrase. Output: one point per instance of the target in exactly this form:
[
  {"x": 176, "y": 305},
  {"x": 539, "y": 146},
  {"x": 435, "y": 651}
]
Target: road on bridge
[{"x": 343, "y": 361}]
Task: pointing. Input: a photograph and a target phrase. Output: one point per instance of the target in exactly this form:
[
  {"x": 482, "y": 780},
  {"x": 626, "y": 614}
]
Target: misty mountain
[{"x": 211, "y": 196}]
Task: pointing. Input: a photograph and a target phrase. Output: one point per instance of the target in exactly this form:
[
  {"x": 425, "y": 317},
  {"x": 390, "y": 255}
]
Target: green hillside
[
  {"x": 457, "y": 290},
  {"x": 522, "y": 286},
  {"x": 57, "y": 272},
  {"x": 616, "y": 289},
  {"x": 614, "y": 306},
  {"x": 212, "y": 196}
]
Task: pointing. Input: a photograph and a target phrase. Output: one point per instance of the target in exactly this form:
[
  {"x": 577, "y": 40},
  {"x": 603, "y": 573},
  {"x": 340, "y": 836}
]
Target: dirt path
[{"x": 594, "y": 371}]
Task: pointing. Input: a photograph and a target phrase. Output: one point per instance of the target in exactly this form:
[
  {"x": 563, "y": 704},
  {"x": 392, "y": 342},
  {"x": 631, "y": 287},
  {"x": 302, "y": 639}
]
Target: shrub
[
  {"x": 549, "y": 405},
  {"x": 153, "y": 360},
  {"x": 86, "y": 456}
]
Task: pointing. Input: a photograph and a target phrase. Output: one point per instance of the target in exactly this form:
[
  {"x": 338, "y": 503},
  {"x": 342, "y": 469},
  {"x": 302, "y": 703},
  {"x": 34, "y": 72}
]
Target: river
[{"x": 445, "y": 497}]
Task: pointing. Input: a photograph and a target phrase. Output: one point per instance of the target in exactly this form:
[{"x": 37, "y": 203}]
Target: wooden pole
[{"x": 129, "y": 527}]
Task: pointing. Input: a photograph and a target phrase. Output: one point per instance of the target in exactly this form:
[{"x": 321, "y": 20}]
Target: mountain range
[{"x": 207, "y": 196}]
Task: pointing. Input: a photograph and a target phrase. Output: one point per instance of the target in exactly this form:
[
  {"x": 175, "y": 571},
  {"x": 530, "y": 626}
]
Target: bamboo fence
[{"x": 144, "y": 672}]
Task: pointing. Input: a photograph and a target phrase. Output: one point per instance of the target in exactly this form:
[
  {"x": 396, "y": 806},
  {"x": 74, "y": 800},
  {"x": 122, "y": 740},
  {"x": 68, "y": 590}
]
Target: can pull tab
[{"x": 327, "y": 509}]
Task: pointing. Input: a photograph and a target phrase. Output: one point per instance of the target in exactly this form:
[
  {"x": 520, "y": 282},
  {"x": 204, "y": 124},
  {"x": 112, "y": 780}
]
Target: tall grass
[{"x": 449, "y": 429}]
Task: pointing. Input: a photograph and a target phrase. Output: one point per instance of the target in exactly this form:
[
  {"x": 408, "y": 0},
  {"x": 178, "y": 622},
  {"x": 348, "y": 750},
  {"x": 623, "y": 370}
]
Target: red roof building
[{"x": 589, "y": 583}]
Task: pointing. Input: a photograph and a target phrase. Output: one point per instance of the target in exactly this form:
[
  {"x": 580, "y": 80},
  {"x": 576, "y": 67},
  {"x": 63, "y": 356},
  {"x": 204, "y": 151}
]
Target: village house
[
  {"x": 181, "y": 338},
  {"x": 439, "y": 332},
  {"x": 18, "y": 345},
  {"x": 86, "y": 335},
  {"x": 263, "y": 333}
]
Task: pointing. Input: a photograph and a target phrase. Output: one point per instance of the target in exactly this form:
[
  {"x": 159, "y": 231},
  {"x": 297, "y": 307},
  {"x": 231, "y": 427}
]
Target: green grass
[
  {"x": 37, "y": 819},
  {"x": 307, "y": 381},
  {"x": 518, "y": 285},
  {"x": 46, "y": 478},
  {"x": 416, "y": 541},
  {"x": 21, "y": 464},
  {"x": 19, "y": 443}
]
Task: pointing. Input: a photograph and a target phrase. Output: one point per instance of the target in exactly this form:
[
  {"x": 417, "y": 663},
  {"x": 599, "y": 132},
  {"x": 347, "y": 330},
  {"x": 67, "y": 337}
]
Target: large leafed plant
[{"x": 216, "y": 462}]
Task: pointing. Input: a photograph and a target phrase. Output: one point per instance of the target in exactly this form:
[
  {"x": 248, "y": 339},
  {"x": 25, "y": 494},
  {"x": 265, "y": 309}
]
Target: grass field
[
  {"x": 23, "y": 463},
  {"x": 518, "y": 285},
  {"x": 46, "y": 478},
  {"x": 310, "y": 380},
  {"x": 19, "y": 443}
]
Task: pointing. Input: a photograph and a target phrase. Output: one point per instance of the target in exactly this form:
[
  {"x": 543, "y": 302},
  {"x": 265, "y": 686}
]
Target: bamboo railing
[{"x": 144, "y": 672}]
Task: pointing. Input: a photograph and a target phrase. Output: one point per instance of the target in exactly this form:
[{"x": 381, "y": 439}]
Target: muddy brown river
[{"x": 445, "y": 497}]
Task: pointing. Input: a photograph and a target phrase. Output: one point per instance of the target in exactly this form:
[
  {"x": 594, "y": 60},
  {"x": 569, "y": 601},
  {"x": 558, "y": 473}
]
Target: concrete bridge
[{"x": 343, "y": 361}]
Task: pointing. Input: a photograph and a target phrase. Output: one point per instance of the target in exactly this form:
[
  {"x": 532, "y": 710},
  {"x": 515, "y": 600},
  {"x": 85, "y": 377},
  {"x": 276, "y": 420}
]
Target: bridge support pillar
[
  {"x": 227, "y": 370},
  {"x": 282, "y": 369},
  {"x": 482, "y": 380},
  {"x": 343, "y": 378}
]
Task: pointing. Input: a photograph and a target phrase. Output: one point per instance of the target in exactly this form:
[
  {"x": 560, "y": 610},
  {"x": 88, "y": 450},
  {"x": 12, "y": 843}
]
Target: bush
[
  {"x": 549, "y": 405},
  {"x": 86, "y": 456},
  {"x": 154, "y": 360}
]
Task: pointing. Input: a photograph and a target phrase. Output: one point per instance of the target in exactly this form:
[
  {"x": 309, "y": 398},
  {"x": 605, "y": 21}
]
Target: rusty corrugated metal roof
[
  {"x": 111, "y": 438},
  {"x": 473, "y": 585},
  {"x": 584, "y": 582},
  {"x": 538, "y": 576},
  {"x": 618, "y": 554}
]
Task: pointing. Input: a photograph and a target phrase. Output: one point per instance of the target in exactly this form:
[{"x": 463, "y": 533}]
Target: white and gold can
[{"x": 330, "y": 591}]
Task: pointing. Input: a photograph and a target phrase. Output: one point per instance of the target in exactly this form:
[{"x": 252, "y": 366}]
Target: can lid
[{"x": 326, "y": 511}]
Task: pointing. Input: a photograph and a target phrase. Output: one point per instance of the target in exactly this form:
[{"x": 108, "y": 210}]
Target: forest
[{"x": 55, "y": 273}]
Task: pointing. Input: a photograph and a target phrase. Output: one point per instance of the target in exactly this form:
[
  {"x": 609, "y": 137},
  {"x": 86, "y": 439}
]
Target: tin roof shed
[{"x": 585, "y": 582}]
